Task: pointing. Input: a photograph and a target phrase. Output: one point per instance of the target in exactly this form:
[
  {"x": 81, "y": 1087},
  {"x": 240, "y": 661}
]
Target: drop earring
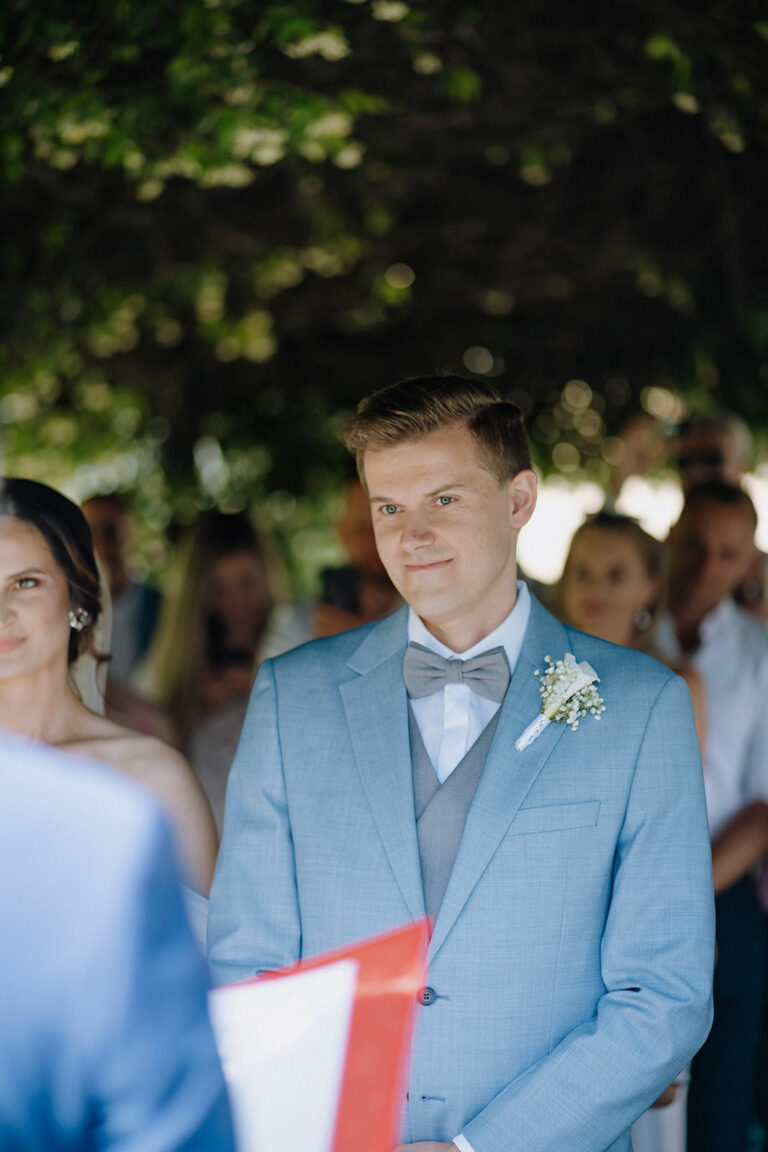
[
  {"x": 78, "y": 618},
  {"x": 643, "y": 619}
]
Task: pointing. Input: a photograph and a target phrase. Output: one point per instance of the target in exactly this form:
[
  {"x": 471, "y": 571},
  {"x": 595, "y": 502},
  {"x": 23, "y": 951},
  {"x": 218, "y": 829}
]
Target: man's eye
[
  {"x": 443, "y": 500},
  {"x": 389, "y": 509}
]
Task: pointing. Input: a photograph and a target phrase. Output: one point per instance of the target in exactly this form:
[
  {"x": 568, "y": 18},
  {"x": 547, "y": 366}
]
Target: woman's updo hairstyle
[{"x": 65, "y": 530}]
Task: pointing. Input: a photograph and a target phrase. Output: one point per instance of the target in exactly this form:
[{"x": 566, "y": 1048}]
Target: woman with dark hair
[{"x": 50, "y": 603}]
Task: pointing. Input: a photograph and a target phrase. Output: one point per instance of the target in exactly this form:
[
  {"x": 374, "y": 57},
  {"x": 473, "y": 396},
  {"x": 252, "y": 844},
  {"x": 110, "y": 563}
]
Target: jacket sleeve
[
  {"x": 253, "y": 921},
  {"x": 657, "y": 960}
]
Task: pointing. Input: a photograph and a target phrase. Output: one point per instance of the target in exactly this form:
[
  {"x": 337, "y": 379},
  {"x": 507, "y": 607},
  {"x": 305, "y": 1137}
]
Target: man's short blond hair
[{"x": 413, "y": 409}]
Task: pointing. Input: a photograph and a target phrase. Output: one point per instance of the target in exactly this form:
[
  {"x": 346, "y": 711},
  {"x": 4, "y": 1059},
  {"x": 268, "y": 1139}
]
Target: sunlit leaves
[{"x": 230, "y": 220}]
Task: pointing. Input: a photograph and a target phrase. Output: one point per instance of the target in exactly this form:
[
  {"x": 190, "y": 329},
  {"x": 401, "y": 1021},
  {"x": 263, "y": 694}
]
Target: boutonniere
[{"x": 568, "y": 693}]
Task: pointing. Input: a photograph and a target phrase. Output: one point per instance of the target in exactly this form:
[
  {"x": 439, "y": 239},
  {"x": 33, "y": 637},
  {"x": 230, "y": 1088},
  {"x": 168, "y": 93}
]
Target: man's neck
[
  {"x": 688, "y": 621},
  {"x": 461, "y": 637},
  {"x": 688, "y": 637},
  {"x": 508, "y": 631}
]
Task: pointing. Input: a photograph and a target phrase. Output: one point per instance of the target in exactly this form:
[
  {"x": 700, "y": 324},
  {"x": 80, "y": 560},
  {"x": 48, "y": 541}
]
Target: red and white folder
[{"x": 316, "y": 1055}]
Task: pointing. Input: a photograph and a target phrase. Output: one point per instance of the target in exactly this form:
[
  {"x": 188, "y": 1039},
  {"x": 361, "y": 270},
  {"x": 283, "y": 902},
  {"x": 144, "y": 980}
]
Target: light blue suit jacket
[
  {"x": 572, "y": 956},
  {"x": 105, "y": 1041}
]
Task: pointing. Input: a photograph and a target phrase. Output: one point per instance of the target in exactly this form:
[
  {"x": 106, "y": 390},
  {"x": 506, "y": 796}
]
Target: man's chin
[{"x": 703, "y": 604}]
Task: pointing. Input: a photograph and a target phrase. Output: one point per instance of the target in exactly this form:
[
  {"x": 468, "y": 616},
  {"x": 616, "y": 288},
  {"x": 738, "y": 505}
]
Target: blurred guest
[
  {"x": 714, "y": 447},
  {"x": 106, "y": 1041},
  {"x": 49, "y": 606},
  {"x": 359, "y": 591},
  {"x": 135, "y": 605},
  {"x": 219, "y": 620},
  {"x": 639, "y": 451},
  {"x": 133, "y": 611},
  {"x": 719, "y": 447},
  {"x": 611, "y": 580},
  {"x": 711, "y": 548},
  {"x": 611, "y": 588}
]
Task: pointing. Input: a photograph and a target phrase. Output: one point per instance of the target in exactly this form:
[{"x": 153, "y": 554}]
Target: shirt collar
[{"x": 508, "y": 635}]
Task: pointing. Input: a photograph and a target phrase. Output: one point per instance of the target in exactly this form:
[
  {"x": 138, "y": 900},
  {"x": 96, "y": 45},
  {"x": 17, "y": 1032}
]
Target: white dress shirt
[
  {"x": 452, "y": 719},
  {"x": 732, "y": 660}
]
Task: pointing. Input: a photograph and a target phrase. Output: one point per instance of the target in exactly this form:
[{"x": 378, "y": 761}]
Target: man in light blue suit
[
  {"x": 106, "y": 1042},
  {"x": 381, "y": 775}
]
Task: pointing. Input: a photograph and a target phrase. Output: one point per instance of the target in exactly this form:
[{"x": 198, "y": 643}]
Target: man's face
[
  {"x": 707, "y": 453},
  {"x": 446, "y": 531},
  {"x": 712, "y": 549},
  {"x": 110, "y": 529}
]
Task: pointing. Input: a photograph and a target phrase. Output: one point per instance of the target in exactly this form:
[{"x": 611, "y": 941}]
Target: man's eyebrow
[{"x": 449, "y": 486}]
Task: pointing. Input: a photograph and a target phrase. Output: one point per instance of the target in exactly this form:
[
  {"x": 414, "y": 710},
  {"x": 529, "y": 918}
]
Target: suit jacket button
[{"x": 426, "y": 996}]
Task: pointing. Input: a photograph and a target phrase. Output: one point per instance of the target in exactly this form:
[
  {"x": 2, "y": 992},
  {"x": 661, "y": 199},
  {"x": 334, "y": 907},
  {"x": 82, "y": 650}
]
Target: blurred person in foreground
[
  {"x": 711, "y": 548},
  {"x": 50, "y": 605},
  {"x": 106, "y": 1041},
  {"x": 382, "y": 773}
]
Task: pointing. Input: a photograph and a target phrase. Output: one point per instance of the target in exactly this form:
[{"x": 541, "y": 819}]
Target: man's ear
[
  {"x": 753, "y": 564},
  {"x": 522, "y": 497}
]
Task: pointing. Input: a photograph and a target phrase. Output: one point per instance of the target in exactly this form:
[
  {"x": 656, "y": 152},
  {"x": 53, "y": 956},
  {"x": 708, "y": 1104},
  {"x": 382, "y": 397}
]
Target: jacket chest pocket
[{"x": 555, "y": 818}]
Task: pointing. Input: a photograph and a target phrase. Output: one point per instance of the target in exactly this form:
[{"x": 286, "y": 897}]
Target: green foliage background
[{"x": 225, "y": 221}]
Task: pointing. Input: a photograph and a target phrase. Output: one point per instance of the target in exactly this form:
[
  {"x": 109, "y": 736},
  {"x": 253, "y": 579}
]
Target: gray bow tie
[{"x": 425, "y": 672}]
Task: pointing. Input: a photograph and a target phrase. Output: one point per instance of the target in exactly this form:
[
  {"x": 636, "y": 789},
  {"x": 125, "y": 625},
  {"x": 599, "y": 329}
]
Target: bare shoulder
[
  {"x": 165, "y": 773},
  {"x": 144, "y": 757}
]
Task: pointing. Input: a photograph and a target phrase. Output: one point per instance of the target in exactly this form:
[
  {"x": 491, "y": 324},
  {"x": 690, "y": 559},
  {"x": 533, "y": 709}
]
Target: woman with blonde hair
[{"x": 217, "y": 622}]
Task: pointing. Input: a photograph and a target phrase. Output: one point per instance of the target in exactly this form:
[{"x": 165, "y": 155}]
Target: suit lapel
[
  {"x": 376, "y": 708},
  {"x": 508, "y": 775}
]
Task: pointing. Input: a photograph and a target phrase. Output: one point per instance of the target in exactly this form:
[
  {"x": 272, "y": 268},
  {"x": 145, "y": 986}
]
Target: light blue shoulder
[{"x": 356, "y": 650}]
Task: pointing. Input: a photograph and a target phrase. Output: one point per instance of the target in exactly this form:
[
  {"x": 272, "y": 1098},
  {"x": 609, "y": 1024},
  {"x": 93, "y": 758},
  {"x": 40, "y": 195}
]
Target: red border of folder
[{"x": 392, "y": 968}]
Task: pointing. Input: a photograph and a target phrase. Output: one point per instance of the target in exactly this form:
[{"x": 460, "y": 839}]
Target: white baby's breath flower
[{"x": 568, "y": 694}]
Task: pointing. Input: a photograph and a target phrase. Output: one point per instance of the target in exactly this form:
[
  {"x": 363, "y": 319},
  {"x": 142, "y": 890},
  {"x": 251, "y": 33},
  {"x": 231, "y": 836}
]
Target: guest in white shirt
[{"x": 711, "y": 549}]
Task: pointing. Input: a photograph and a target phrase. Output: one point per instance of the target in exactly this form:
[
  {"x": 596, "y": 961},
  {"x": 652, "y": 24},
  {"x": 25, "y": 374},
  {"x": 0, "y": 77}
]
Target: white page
[{"x": 283, "y": 1045}]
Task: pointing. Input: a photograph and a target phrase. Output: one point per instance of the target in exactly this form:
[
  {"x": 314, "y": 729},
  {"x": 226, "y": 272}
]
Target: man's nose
[
  {"x": 709, "y": 564},
  {"x": 416, "y": 530}
]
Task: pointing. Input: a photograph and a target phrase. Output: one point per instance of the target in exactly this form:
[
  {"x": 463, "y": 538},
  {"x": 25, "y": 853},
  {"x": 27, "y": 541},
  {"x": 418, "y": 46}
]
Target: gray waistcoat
[{"x": 441, "y": 809}]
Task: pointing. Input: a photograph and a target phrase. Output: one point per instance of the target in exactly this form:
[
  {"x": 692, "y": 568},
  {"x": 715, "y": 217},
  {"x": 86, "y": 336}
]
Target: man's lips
[
  {"x": 425, "y": 566},
  {"x": 594, "y": 607}
]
